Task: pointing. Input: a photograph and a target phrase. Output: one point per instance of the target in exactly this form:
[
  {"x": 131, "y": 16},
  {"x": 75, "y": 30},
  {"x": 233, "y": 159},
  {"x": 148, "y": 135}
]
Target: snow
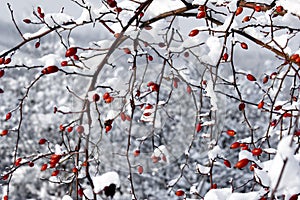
[
  {"x": 105, "y": 180},
  {"x": 290, "y": 6},
  {"x": 37, "y": 33},
  {"x": 67, "y": 197},
  {"x": 211, "y": 93},
  {"x": 215, "y": 152},
  {"x": 218, "y": 194},
  {"x": 262, "y": 177},
  {"x": 226, "y": 194},
  {"x": 52, "y": 19},
  {"x": 285, "y": 154},
  {"x": 246, "y": 154},
  {"x": 202, "y": 169}
]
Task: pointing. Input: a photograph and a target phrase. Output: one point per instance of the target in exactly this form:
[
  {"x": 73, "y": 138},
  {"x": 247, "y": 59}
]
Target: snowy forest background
[{"x": 191, "y": 95}]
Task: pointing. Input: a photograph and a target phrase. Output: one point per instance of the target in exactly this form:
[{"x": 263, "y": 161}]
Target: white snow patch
[
  {"x": 285, "y": 163},
  {"x": 211, "y": 93},
  {"x": 202, "y": 169},
  {"x": 215, "y": 152},
  {"x": 105, "y": 180},
  {"x": 218, "y": 194},
  {"x": 67, "y": 197}
]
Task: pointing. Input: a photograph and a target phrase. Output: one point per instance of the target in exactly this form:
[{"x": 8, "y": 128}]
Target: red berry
[
  {"x": 279, "y": 9},
  {"x": 202, "y": 8},
  {"x": 109, "y": 100},
  {"x": 31, "y": 164},
  {"x": 50, "y": 69},
  {"x": 108, "y": 128},
  {"x": 80, "y": 192},
  {"x": 214, "y": 186},
  {"x": 225, "y": 56},
  {"x": 148, "y": 106},
  {"x": 245, "y": 147},
  {"x": 106, "y": 95},
  {"x": 70, "y": 129},
  {"x": 294, "y": 56},
  {"x": 74, "y": 170},
  {"x": 294, "y": 197},
  {"x": 273, "y": 75},
  {"x": 273, "y": 123},
  {"x": 42, "y": 141},
  {"x": 278, "y": 107},
  {"x": 64, "y": 63},
  {"x": 198, "y": 127},
  {"x": 76, "y": 57},
  {"x": 231, "y": 132},
  {"x": 27, "y": 21},
  {"x": 2, "y": 72},
  {"x": 242, "y": 163},
  {"x": 8, "y": 116},
  {"x": 80, "y": 129},
  {"x": 175, "y": 83},
  {"x": 257, "y": 8},
  {"x": 246, "y": 19},
  {"x": 155, "y": 87},
  {"x": 161, "y": 44},
  {"x": 39, "y": 10},
  {"x": 37, "y": 44},
  {"x": 189, "y": 89},
  {"x": 179, "y": 193},
  {"x": 5, "y": 197},
  {"x": 250, "y": 77},
  {"x": 123, "y": 116},
  {"x": 186, "y": 54},
  {"x": 201, "y": 14},
  {"x": 140, "y": 169},
  {"x": 4, "y": 132},
  {"x": 260, "y": 104},
  {"x": 241, "y": 106},
  {"x": 2, "y": 61},
  {"x": 42, "y": 15},
  {"x": 7, "y": 61},
  {"x": 18, "y": 162},
  {"x": 244, "y": 45},
  {"x": 265, "y": 79},
  {"x": 136, "y": 152},
  {"x": 128, "y": 118},
  {"x": 62, "y": 127},
  {"x": 256, "y": 151},
  {"x": 71, "y": 52},
  {"x": 194, "y": 33},
  {"x": 55, "y": 173},
  {"x": 44, "y": 167},
  {"x": 252, "y": 166},
  {"x": 286, "y": 114},
  {"x": 235, "y": 145},
  {"x": 150, "y": 58},
  {"x": 118, "y": 10},
  {"x": 96, "y": 97},
  {"x": 238, "y": 11},
  {"x": 112, "y": 3},
  {"x": 227, "y": 163},
  {"x": 126, "y": 50},
  {"x": 5, "y": 177}
]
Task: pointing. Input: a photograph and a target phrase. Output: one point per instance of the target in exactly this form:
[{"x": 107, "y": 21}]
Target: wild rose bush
[{"x": 152, "y": 100}]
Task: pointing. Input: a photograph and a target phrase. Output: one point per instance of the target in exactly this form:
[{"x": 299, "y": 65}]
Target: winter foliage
[{"x": 149, "y": 99}]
